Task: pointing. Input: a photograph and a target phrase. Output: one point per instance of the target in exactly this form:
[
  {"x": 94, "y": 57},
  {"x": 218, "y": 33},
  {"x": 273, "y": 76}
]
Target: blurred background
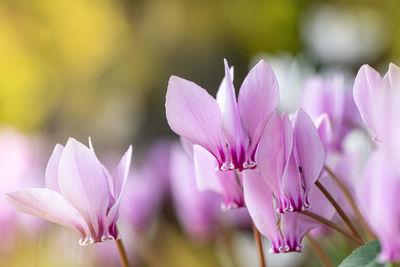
[{"x": 100, "y": 68}]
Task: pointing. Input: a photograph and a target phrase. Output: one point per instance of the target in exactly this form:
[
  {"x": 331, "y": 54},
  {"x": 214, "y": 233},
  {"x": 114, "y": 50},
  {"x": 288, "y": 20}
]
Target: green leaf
[{"x": 364, "y": 256}]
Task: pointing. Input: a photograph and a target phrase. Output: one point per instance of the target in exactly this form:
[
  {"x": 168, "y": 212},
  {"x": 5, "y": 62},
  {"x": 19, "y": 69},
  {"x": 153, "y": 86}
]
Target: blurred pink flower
[
  {"x": 147, "y": 187},
  {"x": 19, "y": 157},
  {"x": 378, "y": 192},
  {"x": 80, "y": 193},
  {"x": 197, "y": 211},
  {"x": 229, "y": 129},
  {"x": 329, "y": 100}
]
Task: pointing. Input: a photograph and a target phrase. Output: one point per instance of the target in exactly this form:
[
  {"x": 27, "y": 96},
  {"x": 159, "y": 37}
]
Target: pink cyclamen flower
[
  {"x": 228, "y": 129},
  {"x": 79, "y": 192},
  {"x": 290, "y": 158},
  {"x": 378, "y": 102},
  {"x": 378, "y": 191}
]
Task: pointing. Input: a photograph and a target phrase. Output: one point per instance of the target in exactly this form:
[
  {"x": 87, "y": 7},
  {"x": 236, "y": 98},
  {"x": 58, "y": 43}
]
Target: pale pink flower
[{"x": 79, "y": 192}]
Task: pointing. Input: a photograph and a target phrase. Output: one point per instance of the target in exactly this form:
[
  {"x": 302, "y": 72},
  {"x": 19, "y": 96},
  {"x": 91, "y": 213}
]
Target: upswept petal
[
  {"x": 366, "y": 86},
  {"x": 221, "y": 182},
  {"x": 231, "y": 124},
  {"x": 110, "y": 179},
  {"x": 310, "y": 152},
  {"x": 120, "y": 179},
  {"x": 259, "y": 202},
  {"x": 84, "y": 184},
  {"x": 122, "y": 173},
  {"x": 51, "y": 176},
  {"x": 194, "y": 114},
  {"x": 379, "y": 186},
  {"x": 324, "y": 129},
  {"x": 258, "y": 98},
  {"x": 222, "y": 91},
  {"x": 49, "y": 205},
  {"x": 274, "y": 151}
]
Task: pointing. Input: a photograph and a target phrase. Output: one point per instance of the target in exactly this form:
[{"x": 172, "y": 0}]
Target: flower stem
[
  {"x": 352, "y": 203},
  {"x": 319, "y": 251},
  {"x": 122, "y": 253},
  {"x": 333, "y": 226},
  {"x": 338, "y": 209},
  {"x": 260, "y": 251}
]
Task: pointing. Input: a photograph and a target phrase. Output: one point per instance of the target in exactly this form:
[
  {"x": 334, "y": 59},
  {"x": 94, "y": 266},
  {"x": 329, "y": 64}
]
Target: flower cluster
[
  {"x": 291, "y": 172},
  {"x": 283, "y": 165}
]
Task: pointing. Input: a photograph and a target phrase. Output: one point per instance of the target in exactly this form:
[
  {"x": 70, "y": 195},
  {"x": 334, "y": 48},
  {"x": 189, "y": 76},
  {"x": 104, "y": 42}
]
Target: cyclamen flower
[
  {"x": 228, "y": 129},
  {"x": 291, "y": 158},
  {"x": 79, "y": 192}
]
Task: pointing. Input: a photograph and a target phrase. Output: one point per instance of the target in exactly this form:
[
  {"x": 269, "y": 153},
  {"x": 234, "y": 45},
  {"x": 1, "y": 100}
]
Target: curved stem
[
  {"x": 258, "y": 240},
  {"x": 122, "y": 253},
  {"x": 352, "y": 203},
  {"x": 338, "y": 209},
  {"x": 333, "y": 226},
  {"x": 319, "y": 251}
]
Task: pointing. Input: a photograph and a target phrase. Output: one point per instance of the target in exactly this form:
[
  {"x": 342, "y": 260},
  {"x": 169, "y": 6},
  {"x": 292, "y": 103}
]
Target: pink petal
[
  {"x": 231, "y": 124},
  {"x": 208, "y": 177},
  {"x": 84, "y": 184},
  {"x": 51, "y": 176},
  {"x": 122, "y": 173},
  {"x": 310, "y": 152},
  {"x": 274, "y": 150},
  {"x": 324, "y": 129},
  {"x": 49, "y": 205},
  {"x": 120, "y": 179},
  {"x": 194, "y": 114},
  {"x": 258, "y": 98},
  {"x": 222, "y": 91},
  {"x": 259, "y": 202},
  {"x": 366, "y": 86}
]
